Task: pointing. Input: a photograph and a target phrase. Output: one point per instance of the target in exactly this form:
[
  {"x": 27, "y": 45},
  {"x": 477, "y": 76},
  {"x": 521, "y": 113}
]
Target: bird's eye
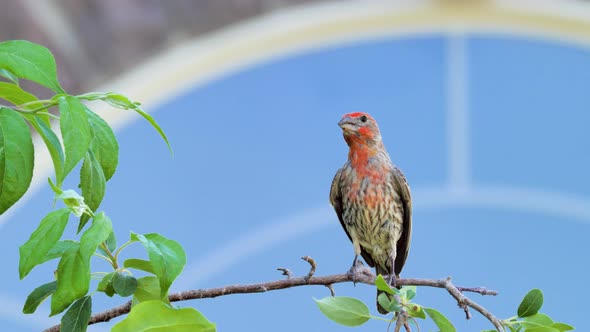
[{"x": 364, "y": 118}]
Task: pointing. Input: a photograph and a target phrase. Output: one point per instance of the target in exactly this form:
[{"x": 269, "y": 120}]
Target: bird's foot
[
  {"x": 392, "y": 280},
  {"x": 356, "y": 267}
]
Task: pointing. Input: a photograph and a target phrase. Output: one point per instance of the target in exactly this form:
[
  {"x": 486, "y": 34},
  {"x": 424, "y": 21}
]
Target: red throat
[
  {"x": 366, "y": 132},
  {"x": 359, "y": 154}
]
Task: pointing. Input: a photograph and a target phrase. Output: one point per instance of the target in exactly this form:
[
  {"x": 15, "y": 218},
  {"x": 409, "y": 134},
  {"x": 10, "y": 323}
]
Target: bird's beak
[{"x": 346, "y": 124}]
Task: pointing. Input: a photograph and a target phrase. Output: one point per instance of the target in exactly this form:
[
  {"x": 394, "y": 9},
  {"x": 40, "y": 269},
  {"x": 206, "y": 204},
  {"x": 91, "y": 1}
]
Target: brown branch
[
  {"x": 463, "y": 300},
  {"x": 398, "y": 324},
  {"x": 360, "y": 276}
]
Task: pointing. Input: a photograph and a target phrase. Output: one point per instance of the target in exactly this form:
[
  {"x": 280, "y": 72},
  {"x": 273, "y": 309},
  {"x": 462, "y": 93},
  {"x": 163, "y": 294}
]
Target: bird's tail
[{"x": 384, "y": 273}]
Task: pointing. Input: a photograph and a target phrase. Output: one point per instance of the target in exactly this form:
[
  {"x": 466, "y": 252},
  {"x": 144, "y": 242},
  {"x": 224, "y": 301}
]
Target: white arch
[{"x": 298, "y": 29}]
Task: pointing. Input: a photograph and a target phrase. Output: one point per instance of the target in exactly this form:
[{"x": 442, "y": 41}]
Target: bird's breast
[
  {"x": 372, "y": 207},
  {"x": 367, "y": 187}
]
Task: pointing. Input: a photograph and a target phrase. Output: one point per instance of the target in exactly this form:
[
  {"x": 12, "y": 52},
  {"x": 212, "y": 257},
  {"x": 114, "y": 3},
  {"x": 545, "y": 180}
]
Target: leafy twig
[{"x": 360, "y": 277}]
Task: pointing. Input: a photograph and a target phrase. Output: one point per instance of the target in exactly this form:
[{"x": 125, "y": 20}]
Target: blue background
[{"x": 255, "y": 152}]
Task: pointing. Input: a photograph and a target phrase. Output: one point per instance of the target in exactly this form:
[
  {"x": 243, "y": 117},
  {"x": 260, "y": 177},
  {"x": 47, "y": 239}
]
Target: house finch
[{"x": 372, "y": 199}]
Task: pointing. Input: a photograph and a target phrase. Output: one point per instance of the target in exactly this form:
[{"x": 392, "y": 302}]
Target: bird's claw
[
  {"x": 354, "y": 269},
  {"x": 393, "y": 280}
]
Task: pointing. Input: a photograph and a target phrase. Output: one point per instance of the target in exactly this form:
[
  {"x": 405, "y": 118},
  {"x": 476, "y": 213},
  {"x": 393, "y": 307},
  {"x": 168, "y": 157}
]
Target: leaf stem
[
  {"x": 112, "y": 259},
  {"x": 118, "y": 251},
  {"x": 379, "y": 318},
  {"x": 103, "y": 257}
]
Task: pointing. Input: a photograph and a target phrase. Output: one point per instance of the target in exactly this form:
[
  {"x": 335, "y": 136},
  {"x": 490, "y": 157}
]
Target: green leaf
[
  {"x": 106, "y": 285},
  {"x": 148, "y": 288},
  {"x": 386, "y": 303},
  {"x": 529, "y": 325},
  {"x": 15, "y": 94},
  {"x": 104, "y": 144},
  {"x": 37, "y": 296},
  {"x": 74, "y": 267},
  {"x": 112, "y": 242},
  {"x": 443, "y": 324},
  {"x": 383, "y": 286},
  {"x": 562, "y": 326},
  {"x": 167, "y": 257},
  {"x": 77, "y": 317},
  {"x": 154, "y": 124},
  {"x": 73, "y": 279},
  {"x": 159, "y": 316},
  {"x": 416, "y": 311},
  {"x": 59, "y": 249},
  {"x": 121, "y": 101},
  {"x": 96, "y": 234},
  {"x": 16, "y": 158},
  {"x": 9, "y": 76},
  {"x": 93, "y": 185},
  {"x": 138, "y": 264},
  {"x": 531, "y": 303},
  {"x": 343, "y": 310},
  {"x": 52, "y": 143},
  {"x": 42, "y": 240},
  {"x": 57, "y": 190},
  {"x": 539, "y": 318},
  {"x": 541, "y": 329},
  {"x": 408, "y": 292},
  {"x": 75, "y": 131},
  {"x": 538, "y": 323},
  {"x": 30, "y": 61},
  {"x": 124, "y": 284}
]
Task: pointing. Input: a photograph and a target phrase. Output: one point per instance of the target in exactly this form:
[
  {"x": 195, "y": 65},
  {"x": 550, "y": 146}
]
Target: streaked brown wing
[
  {"x": 336, "y": 201},
  {"x": 403, "y": 245}
]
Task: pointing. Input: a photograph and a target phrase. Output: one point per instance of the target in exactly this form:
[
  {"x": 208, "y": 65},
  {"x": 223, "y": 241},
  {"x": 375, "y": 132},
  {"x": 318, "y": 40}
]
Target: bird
[{"x": 372, "y": 199}]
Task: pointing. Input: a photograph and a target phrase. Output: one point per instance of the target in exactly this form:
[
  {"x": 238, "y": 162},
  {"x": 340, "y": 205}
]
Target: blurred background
[{"x": 483, "y": 104}]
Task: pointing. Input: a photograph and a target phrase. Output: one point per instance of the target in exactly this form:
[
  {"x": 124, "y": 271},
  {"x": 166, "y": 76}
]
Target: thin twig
[
  {"x": 466, "y": 309},
  {"x": 331, "y": 288},
  {"x": 463, "y": 300},
  {"x": 415, "y": 322},
  {"x": 390, "y": 322},
  {"x": 286, "y": 272},
  {"x": 402, "y": 321},
  {"x": 360, "y": 277},
  {"x": 480, "y": 290},
  {"x": 398, "y": 324},
  {"x": 312, "y": 264},
  {"x": 407, "y": 326}
]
